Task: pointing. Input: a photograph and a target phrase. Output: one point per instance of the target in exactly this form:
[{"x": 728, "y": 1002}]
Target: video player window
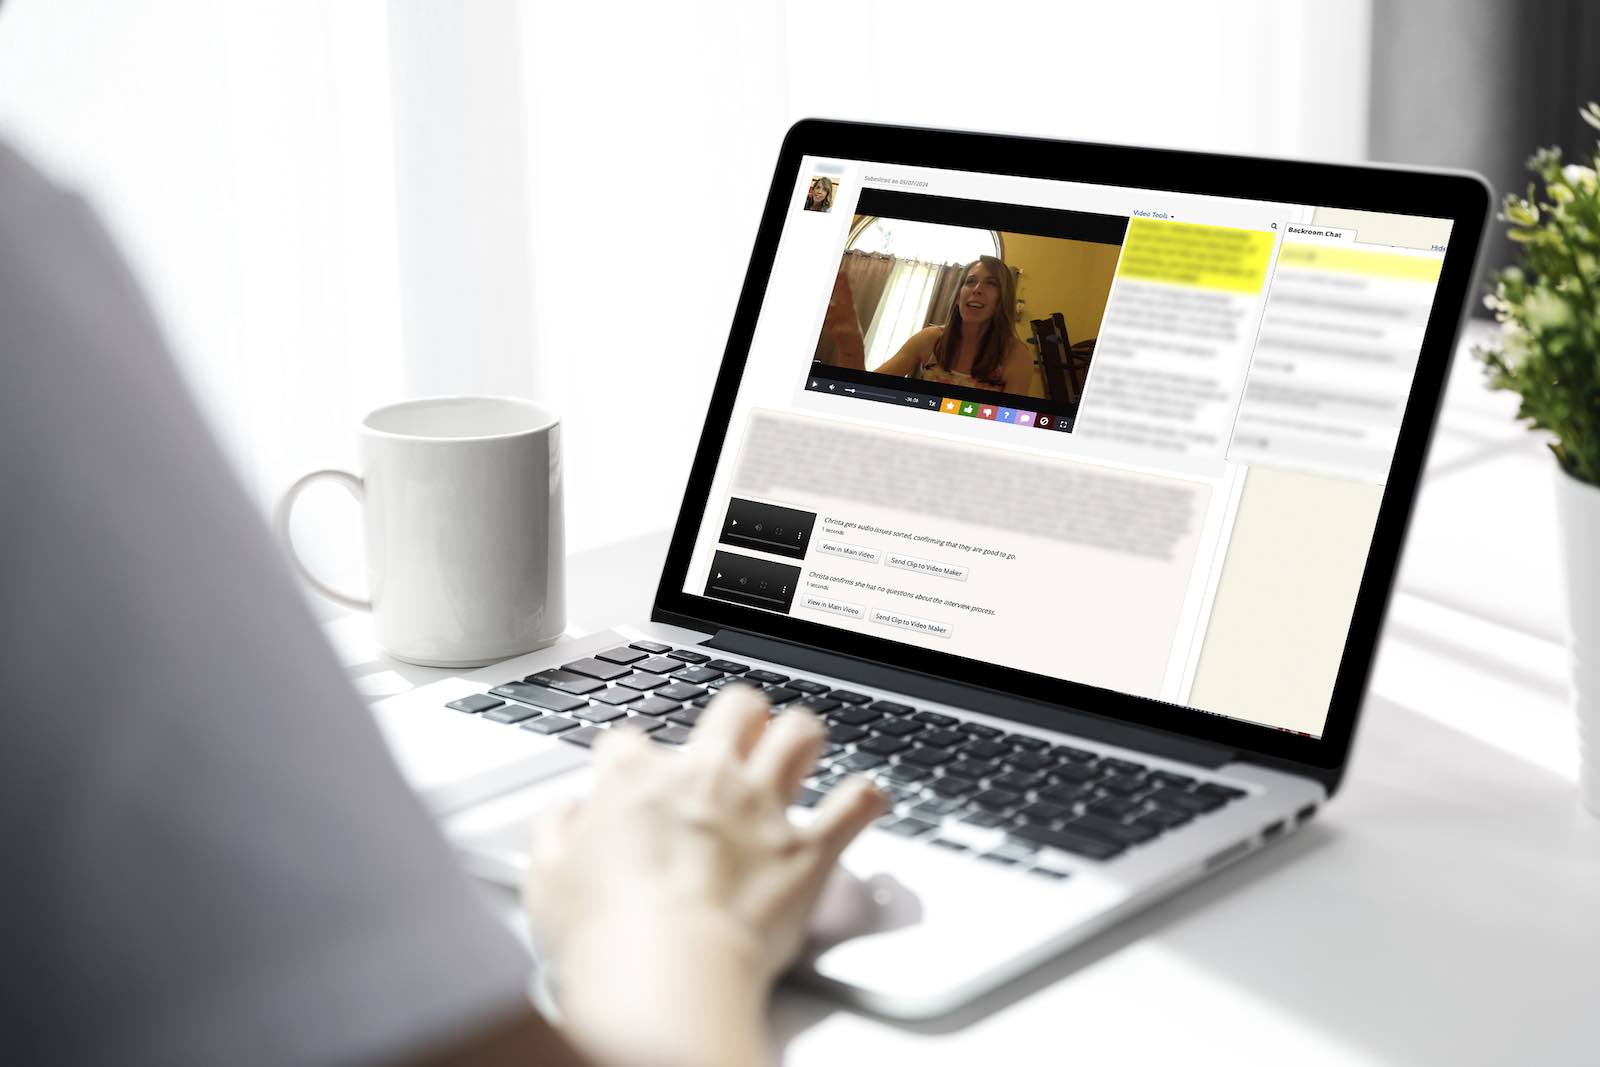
[{"x": 998, "y": 305}]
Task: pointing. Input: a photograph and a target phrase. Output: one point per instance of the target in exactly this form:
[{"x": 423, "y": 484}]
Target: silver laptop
[{"x": 1066, "y": 483}]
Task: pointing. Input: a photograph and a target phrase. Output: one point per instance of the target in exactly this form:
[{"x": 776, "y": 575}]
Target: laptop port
[
  {"x": 1305, "y": 813},
  {"x": 1271, "y": 830}
]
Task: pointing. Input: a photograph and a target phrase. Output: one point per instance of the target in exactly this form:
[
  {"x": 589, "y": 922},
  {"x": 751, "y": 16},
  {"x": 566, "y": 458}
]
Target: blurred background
[{"x": 337, "y": 205}]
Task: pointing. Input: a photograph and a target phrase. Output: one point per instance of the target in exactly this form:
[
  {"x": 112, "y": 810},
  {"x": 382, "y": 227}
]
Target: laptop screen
[{"x": 1122, "y": 437}]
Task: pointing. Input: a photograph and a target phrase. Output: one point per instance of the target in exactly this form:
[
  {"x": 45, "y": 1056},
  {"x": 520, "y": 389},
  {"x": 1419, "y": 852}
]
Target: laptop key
[
  {"x": 728, "y": 666},
  {"x": 1026, "y": 742},
  {"x": 702, "y": 701},
  {"x": 1176, "y": 781},
  {"x": 639, "y": 724},
  {"x": 973, "y": 768},
  {"x": 642, "y": 682},
  {"x": 1125, "y": 766},
  {"x": 952, "y": 785},
  {"x": 584, "y": 737},
  {"x": 1111, "y": 829},
  {"x": 986, "y": 750},
  {"x": 945, "y": 842},
  {"x": 539, "y": 697},
  {"x": 766, "y": 677},
  {"x": 689, "y": 657},
  {"x": 986, "y": 820},
  {"x": 909, "y": 826},
  {"x": 820, "y": 705},
  {"x": 977, "y": 729},
  {"x": 615, "y": 695},
  {"x": 849, "y": 696},
  {"x": 599, "y": 713},
  {"x": 698, "y": 675},
  {"x": 997, "y": 799},
  {"x": 1193, "y": 803},
  {"x": 595, "y": 668},
  {"x": 858, "y": 716},
  {"x": 550, "y": 724},
  {"x": 477, "y": 702},
  {"x": 843, "y": 735},
  {"x": 1112, "y": 807},
  {"x": 657, "y": 665},
  {"x": 806, "y": 685},
  {"x": 654, "y": 705},
  {"x": 1076, "y": 755},
  {"x": 1043, "y": 811},
  {"x": 889, "y": 707},
  {"x": 565, "y": 681},
  {"x": 933, "y": 718},
  {"x": 907, "y": 772},
  {"x": 882, "y": 746},
  {"x": 1020, "y": 781},
  {"x": 1078, "y": 844},
  {"x": 679, "y": 691},
  {"x": 686, "y": 716},
  {"x": 1066, "y": 794},
  {"x": 650, "y": 646},
  {"x": 672, "y": 735},
  {"x": 1124, "y": 785},
  {"x": 859, "y": 761},
  {"x": 941, "y": 738},
  {"x": 1220, "y": 792},
  {"x": 936, "y": 807},
  {"x": 1076, "y": 773},
  {"x": 779, "y": 694},
  {"x": 1030, "y": 761},
  {"x": 509, "y": 713},
  {"x": 928, "y": 757},
  {"x": 1161, "y": 820},
  {"x": 894, "y": 727},
  {"x": 622, "y": 656}
]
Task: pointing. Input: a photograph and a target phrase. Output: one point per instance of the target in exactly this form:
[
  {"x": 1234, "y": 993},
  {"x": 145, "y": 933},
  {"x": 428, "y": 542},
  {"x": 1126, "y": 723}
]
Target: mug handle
[{"x": 280, "y": 523}]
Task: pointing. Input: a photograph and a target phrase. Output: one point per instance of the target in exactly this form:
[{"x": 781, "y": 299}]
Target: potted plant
[{"x": 1548, "y": 353}]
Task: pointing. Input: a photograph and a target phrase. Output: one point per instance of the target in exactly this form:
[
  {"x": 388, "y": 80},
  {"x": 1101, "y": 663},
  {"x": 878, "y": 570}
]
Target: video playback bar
[
  {"x": 756, "y": 583},
  {"x": 1003, "y": 408},
  {"x": 767, "y": 528}
]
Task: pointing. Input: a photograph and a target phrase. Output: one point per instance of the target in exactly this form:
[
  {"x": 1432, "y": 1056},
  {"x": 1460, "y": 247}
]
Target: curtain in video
[{"x": 903, "y": 310}]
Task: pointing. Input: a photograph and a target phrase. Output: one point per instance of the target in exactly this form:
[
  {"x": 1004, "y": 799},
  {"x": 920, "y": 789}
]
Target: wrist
[{"x": 692, "y": 987}]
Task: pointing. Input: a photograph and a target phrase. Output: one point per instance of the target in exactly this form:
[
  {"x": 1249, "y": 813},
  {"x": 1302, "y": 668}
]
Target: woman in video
[
  {"x": 820, "y": 195},
  {"x": 976, "y": 346}
]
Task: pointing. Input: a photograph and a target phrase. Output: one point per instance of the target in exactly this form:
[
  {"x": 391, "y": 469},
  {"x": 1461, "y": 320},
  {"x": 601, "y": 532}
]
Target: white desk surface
[{"x": 1444, "y": 909}]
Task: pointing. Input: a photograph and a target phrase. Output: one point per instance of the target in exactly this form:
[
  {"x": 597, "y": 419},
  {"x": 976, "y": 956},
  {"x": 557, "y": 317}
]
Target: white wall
[{"x": 592, "y": 174}]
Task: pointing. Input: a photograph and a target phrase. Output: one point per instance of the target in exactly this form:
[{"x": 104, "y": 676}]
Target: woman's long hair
[
  {"x": 827, "y": 185},
  {"x": 997, "y": 334}
]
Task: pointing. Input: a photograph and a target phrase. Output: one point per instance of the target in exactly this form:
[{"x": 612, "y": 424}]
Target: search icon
[{"x": 1274, "y": 225}]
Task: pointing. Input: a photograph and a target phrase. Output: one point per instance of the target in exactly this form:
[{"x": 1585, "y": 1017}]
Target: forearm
[{"x": 634, "y": 996}]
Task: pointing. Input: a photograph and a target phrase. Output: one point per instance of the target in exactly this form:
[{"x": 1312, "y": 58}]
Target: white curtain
[
  {"x": 335, "y": 205},
  {"x": 903, "y": 309}
]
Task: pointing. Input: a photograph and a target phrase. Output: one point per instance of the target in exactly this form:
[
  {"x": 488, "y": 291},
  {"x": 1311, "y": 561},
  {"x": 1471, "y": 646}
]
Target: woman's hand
[{"x": 677, "y": 892}]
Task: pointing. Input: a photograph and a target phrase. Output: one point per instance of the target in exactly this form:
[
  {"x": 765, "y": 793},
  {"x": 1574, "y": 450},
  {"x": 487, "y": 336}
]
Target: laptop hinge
[{"x": 1018, "y": 709}]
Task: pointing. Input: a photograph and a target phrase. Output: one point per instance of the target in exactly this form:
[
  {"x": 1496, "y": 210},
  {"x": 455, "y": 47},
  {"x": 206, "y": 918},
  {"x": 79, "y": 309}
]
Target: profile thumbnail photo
[{"x": 995, "y": 309}]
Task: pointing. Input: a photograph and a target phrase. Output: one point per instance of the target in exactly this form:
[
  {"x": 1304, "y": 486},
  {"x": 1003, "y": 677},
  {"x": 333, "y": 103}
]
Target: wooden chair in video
[{"x": 1065, "y": 365}]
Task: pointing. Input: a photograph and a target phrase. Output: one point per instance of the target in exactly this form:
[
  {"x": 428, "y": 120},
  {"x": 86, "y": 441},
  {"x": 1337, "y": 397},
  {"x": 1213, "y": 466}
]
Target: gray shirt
[{"x": 206, "y": 855}]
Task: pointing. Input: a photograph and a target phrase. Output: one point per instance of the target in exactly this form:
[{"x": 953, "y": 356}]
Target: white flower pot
[{"x": 1579, "y": 506}]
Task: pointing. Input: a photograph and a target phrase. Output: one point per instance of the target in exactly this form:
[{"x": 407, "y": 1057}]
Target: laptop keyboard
[{"x": 958, "y": 785}]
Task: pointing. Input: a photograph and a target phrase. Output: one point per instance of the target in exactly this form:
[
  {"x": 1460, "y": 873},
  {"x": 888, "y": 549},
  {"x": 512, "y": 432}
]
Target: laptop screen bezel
[{"x": 1458, "y": 196}]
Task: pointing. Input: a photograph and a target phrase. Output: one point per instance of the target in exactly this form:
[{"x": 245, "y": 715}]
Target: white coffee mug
[{"x": 461, "y": 500}]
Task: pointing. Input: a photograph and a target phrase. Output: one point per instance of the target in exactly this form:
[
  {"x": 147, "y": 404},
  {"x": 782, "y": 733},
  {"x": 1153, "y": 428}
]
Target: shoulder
[{"x": 926, "y": 336}]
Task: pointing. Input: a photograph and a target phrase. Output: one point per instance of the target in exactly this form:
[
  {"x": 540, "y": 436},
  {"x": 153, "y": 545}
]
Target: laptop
[{"x": 1066, "y": 483}]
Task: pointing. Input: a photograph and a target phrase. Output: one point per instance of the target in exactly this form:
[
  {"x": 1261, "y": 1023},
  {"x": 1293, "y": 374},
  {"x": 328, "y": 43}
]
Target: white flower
[{"x": 1578, "y": 176}]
